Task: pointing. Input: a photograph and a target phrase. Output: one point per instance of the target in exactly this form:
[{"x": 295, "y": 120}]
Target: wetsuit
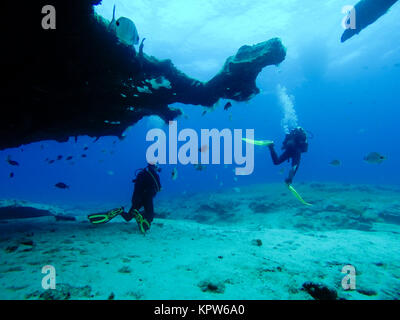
[
  {"x": 294, "y": 145},
  {"x": 293, "y": 154},
  {"x": 147, "y": 184}
]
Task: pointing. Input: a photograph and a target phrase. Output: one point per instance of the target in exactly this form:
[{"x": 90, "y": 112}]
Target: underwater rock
[
  {"x": 61, "y": 217},
  {"x": 137, "y": 295},
  {"x": 367, "y": 292},
  {"x": 256, "y": 242},
  {"x": 367, "y": 12},
  {"x": 21, "y": 212},
  {"x": 319, "y": 291},
  {"x": 62, "y": 292},
  {"x": 263, "y": 207},
  {"x": 390, "y": 216},
  {"x": 212, "y": 286},
  {"x": 222, "y": 209},
  {"x": 14, "y": 269},
  {"x": 125, "y": 269},
  {"x": 62, "y": 83},
  {"x": 27, "y": 242},
  {"x": 11, "y": 248},
  {"x": 216, "y": 207}
]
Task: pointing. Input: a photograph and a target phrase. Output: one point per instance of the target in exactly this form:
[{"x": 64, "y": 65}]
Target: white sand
[{"x": 176, "y": 255}]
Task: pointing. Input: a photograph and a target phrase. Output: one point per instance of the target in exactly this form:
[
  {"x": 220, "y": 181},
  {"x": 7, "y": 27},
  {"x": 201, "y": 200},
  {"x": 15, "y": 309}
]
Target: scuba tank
[
  {"x": 296, "y": 138},
  {"x": 151, "y": 173}
]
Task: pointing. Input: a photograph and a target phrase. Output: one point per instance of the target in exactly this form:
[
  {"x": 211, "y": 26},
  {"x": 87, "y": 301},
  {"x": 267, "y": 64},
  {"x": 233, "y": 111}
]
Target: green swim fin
[
  {"x": 143, "y": 224},
  {"x": 101, "y": 218},
  {"x": 258, "y": 142},
  {"x": 295, "y": 193}
]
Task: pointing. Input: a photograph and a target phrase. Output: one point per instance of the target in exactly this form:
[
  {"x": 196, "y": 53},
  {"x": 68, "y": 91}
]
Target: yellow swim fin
[
  {"x": 143, "y": 224},
  {"x": 101, "y": 218},
  {"x": 258, "y": 142},
  {"x": 298, "y": 196}
]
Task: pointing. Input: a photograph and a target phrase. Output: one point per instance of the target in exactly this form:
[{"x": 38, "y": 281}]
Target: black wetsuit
[
  {"x": 293, "y": 148},
  {"x": 147, "y": 184},
  {"x": 293, "y": 154}
]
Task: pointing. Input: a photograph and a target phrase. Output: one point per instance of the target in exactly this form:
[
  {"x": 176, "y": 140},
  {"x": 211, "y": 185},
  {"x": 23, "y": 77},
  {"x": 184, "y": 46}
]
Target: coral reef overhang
[{"x": 79, "y": 80}]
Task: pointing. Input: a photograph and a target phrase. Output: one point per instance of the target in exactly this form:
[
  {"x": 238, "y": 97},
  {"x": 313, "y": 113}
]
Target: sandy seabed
[{"x": 256, "y": 242}]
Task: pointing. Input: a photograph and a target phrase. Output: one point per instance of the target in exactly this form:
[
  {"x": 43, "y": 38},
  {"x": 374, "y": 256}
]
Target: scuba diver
[
  {"x": 147, "y": 185},
  {"x": 294, "y": 145}
]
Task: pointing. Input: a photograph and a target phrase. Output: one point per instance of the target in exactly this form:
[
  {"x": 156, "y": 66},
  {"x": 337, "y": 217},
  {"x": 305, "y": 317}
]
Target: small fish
[
  {"x": 69, "y": 158},
  {"x": 59, "y": 157},
  {"x": 204, "y": 148},
  {"x": 227, "y": 106},
  {"x": 84, "y": 156},
  {"x": 11, "y": 174},
  {"x": 335, "y": 163},
  {"x": 374, "y": 158},
  {"x": 51, "y": 161},
  {"x": 204, "y": 113},
  {"x": 174, "y": 174},
  {"x": 61, "y": 185},
  {"x": 12, "y": 162},
  {"x": 85, "y": 148}
]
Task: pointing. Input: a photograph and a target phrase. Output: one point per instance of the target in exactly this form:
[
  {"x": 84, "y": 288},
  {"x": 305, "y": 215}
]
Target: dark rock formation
[
  {"x": 367, "y": 12},
  {"x": 391, "y": 216},
  {"x": 367, "y": 292},
  {"x": 62, "y": 217},
  {"x": 319, "y": 291},
  {"x": 19, "y": 212},
  {"x": 212, "y": 286},
  {"x": 62, "y": 292},
  {"x": 256, "y": 242},
  {"x": 79, "y": 80},
  {"x": 258, "y": 207}
]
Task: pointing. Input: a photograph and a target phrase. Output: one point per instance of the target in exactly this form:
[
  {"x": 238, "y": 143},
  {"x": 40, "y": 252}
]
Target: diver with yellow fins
[
  {"x": 293, "y": 146},
  {"x": 147, "y": 185}
]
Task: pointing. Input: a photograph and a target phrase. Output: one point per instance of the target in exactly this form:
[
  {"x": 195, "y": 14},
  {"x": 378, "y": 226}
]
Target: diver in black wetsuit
[
  {"x": 294, "y": 145},
  {"x": 147, "y": 184}
]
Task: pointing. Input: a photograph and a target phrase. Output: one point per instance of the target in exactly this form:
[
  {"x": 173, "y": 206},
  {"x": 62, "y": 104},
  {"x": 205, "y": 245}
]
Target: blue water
[{"x": 346, "y": 94}]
